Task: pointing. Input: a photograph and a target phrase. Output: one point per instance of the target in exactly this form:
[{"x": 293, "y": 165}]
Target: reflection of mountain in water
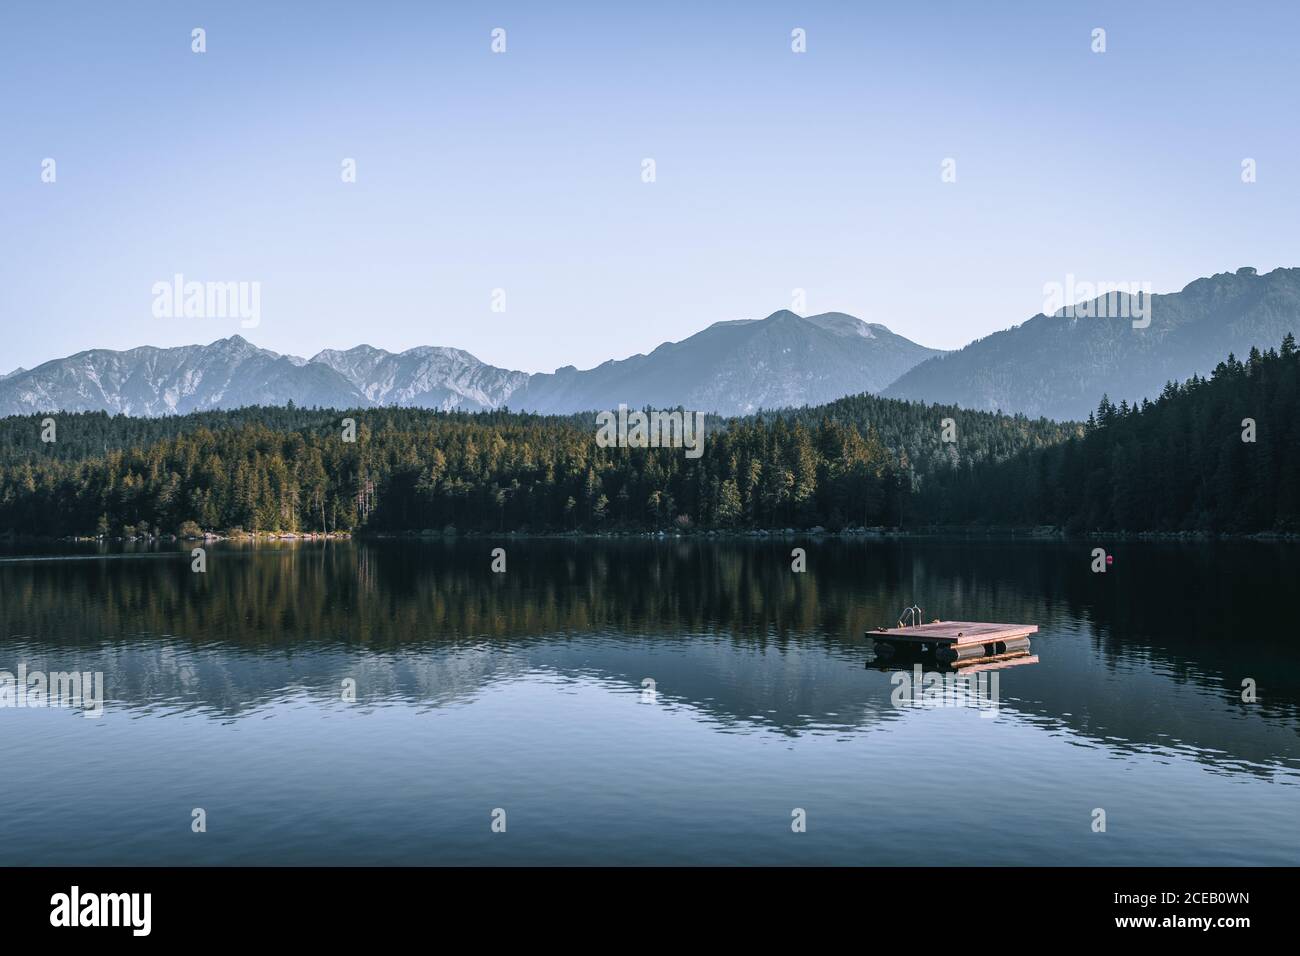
[{"x": 1149, "y": 655}]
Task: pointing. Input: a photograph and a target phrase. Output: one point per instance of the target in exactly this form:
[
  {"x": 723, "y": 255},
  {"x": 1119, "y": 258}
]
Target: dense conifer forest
[
  {"x": 1216, "y": 454},
  {"x": 1178, "y": 463}
]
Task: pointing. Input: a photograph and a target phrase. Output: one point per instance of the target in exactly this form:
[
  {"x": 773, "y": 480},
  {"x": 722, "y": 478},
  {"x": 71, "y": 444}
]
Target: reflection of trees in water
[
  {"x": 393, "y": 594},
  {"x": 725, "y": 626}
]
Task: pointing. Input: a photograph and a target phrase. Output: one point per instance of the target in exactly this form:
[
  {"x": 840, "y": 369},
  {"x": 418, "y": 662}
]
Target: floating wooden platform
[{"x": 958, "y": 643}]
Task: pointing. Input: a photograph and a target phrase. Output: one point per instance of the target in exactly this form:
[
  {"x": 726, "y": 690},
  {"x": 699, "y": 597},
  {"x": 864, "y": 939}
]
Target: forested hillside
[
  {"x": 1213, "y": 454},
  {"x": 853, "y": 462},
  {"x": 915, "y": 431}
]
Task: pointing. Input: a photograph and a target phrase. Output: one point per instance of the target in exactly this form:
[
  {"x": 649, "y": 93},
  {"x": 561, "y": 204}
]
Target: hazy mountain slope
[
  {"x": 1060, "y": 367},
  {"x": 737, "y": 367}
]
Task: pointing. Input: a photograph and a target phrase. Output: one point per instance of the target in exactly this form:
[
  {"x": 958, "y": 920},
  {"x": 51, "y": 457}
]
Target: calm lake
[{"x": 527, "y": 692}]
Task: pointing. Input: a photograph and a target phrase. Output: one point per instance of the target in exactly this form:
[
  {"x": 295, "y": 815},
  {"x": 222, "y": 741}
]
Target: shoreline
[{"x": 876, "y": 533}]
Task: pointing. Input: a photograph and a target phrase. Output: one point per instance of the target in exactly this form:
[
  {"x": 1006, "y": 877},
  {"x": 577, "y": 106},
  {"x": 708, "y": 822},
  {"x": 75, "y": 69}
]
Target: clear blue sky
[{"x": 522, "y": 171}]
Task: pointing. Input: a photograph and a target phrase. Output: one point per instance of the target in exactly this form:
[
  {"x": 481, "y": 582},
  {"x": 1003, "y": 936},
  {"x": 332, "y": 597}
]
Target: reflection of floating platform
[
  {"x": 959, "y": 643},
  {"x": 1011, "y": 660}
]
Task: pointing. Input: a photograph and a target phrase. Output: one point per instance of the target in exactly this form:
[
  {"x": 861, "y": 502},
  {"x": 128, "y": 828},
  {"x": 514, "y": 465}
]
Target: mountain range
[
  {"x": 1055, "y": 366},
  {"x": 732, "y": 368}
]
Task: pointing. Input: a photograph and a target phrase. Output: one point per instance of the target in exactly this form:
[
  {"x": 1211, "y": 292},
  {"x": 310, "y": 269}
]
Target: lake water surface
[{"x": 527, "y": 692}]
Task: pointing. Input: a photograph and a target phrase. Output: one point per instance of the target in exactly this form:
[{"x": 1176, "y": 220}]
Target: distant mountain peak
[
  {"x": 842, "y": 323},
  {"x": 357, "y": 350},
  {"x": 736, "y": 367},
  {"x": 235, "y": 341}
]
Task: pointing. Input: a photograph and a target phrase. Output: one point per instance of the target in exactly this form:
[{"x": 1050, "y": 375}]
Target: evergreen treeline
[
  {"x": 288, "y": 469},
  {"x": 1189, "y": 461},
  {"x": 491, "y": 472}
]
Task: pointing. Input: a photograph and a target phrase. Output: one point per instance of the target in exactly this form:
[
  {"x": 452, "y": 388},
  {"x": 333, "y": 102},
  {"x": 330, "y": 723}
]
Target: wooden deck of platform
[{"x": 954, "y": 632}]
